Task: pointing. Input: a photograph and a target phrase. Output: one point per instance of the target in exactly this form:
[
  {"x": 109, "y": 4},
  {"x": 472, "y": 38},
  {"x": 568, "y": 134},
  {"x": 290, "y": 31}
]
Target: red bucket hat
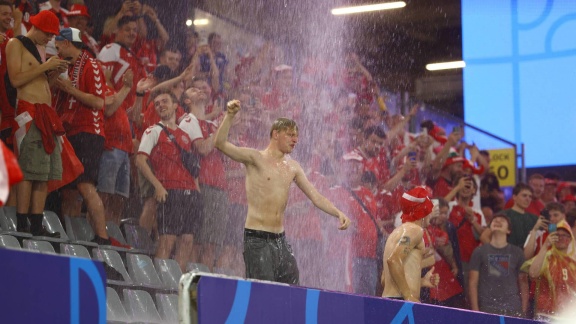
[
  {"x": 46, "y": 21},
  {"x": 415, "y": 204}
]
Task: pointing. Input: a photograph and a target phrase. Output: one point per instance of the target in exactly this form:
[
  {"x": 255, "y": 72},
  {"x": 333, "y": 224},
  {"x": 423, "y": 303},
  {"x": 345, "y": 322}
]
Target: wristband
[{"x": 139, "y": 94}]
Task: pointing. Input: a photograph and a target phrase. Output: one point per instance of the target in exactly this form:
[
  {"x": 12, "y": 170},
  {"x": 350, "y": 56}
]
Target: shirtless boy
[
  {"x": 269, "y": 173},
  {"x": 35, "y": 140},
  {"x": 404, "y": 251}
]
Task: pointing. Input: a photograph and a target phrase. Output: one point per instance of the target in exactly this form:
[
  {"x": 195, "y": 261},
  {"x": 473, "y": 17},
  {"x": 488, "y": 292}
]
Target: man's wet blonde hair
[{"x": 282, "y": 124}]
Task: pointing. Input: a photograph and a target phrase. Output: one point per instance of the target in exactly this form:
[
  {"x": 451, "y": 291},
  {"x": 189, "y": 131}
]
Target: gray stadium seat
[
  {"x": 115, "y": 232},
  {"x": 142, "y": 271},
  {"x": 9, "y": 242},
  {"x": 74, "y": 250},
  {"x": 115, "y": 311},
  {"x": 199, "y": 267},
  {"x": 169, "y": 271},
  {"x": 79, "y": 230},
  {"x": 8, "y": 222},
  {"x": 113, "y": 260},
  {"x": 140, "y": 306},
  {"x": 138, "y": 238},
  {"x": 53, "y": 225},
  {"x": 38, "y": 246},
  {"x": 167, "y": 307}
]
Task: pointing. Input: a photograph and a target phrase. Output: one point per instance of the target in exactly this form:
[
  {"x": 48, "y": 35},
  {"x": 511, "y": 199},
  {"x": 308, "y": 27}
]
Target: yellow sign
[{"x": 503, "y": 164}]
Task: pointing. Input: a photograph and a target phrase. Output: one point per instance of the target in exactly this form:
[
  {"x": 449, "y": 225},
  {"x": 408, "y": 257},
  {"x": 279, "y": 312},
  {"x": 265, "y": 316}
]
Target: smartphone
[
  {"x": 546, "y": 213},
  {"x": 412, "y": 156},
  {"x": 456, "y": 129},
  {"x": 551, "y": 228}
]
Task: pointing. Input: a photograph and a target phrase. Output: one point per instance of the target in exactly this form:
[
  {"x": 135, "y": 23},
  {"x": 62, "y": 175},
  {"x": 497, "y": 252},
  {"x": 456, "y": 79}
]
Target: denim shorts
[
  {"x": 268, "y": 256},
  {"x": 114, "y": 173}
]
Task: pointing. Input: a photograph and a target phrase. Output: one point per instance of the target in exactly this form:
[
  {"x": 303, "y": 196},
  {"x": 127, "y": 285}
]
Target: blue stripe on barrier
[
  {"x": 404, "y": 312},
  {"x": 312, "y": 297},
  {"x": 240, "y": 305}
]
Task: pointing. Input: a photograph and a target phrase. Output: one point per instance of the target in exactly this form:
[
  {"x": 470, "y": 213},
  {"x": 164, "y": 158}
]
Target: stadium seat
[
  {"x": 198, "y": 267},
  {"x": 115, "y": 269},
  {"x": 81, "y": 232},
  {"x": 115, "y": 311},
  {"x": 169, "y": 271},
  {"x": 115, "y": 232},
  {"x": 38, "y": 246},
  {"x": 8, "y": 222},
  {"x": 74, "y": 250},
  {"x": 138, "y": 238},
  {"x": 167, "y": 307},
  {"x": 142, "y": 271},
  {"x": 9, "y": 242},
  {"x": 53, "y": 225},
  {"x": 140, "y": 306}
]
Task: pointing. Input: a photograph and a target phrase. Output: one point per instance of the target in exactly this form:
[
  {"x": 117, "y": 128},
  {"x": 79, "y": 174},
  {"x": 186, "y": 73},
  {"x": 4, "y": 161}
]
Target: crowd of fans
[{"x": 160, "y": 98}]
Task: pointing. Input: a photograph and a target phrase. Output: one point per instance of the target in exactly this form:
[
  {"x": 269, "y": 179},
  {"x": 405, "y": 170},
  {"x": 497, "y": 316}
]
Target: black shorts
[
  {"x": 180, "y": 214},
  {"x": 88, "y": 148},
  {"x": 268, "y": 256}
]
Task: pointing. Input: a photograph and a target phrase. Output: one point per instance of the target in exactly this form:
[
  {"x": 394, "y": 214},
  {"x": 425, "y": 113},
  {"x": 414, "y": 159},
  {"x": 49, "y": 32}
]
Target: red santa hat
[
  {"x": 415, "y": 204},
  {"x": 438, "y": 134}
]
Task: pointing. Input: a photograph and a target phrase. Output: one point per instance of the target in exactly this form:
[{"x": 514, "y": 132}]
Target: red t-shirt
[
  {"x": 212, "y": 171},
  {"x": 165, "y": 157},
  {"x": 118, "y": 59},
  {"x": 441, "y": 188},
  {"x": 465, "y": 232},
  {"x": 377, "y": 165},
  {"x": 145, "y": 50},
  {"x": 8, "y": 112},
  {"x": 365, "y": 237},
  {"x": 151, "y": 117},
  {"x": 450, "y": 285},
  {"x": 76, "y": 116}
]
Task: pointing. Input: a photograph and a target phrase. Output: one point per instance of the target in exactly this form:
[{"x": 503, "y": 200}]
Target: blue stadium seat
[
  {"x": 169, "y": 271},
  {"x": 140, "y": 306},
  {"x": 9, "y": 242},
  {"x": 167, "y": 307},
  {"x": 115, "y": 312},
  {"x": 74, "y": 250},
  {"x": 142, "y": 271},
  {"x": 38, "y": 246}
]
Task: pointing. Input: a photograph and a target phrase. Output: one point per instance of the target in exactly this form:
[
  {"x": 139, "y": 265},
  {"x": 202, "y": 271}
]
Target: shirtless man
[
  {"x": 404, "y": 253},
  {"x": 35, "y": 140},
  {"x": 269, "y": 173}
]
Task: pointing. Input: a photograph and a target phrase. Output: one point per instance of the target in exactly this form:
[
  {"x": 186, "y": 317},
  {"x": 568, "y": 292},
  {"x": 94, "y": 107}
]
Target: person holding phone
[
  {"x": 554, "y": 269},
  {"x": 549, "y": 217}
]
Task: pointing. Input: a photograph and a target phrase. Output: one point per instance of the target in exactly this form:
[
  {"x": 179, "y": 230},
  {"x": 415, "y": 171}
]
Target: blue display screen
[{"x": 520, "y": 75}]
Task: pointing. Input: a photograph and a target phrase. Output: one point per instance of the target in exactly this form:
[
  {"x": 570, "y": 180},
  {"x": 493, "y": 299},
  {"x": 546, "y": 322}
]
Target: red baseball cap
[
  {"x": 46, "y": 21},
  {"x": 78, "y": 10}
]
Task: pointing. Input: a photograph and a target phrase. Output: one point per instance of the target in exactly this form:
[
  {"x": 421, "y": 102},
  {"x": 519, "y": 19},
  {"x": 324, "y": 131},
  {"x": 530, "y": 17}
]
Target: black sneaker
[{"x": 44, "y": 232}]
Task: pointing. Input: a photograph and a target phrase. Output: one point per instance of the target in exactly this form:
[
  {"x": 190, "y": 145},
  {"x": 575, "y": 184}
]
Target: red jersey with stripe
[
  {"x": 8, "y": 112},
  {"x": 151, "y": 117},
  {"x": 165, "y": 157},
  {"x": 464, "y": 231},
  {"x": 84, "y": 119},
  {"x": 119, "y": 59}
]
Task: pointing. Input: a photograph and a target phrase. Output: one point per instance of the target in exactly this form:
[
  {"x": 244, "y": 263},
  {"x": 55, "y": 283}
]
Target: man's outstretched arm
[{"x": 318, "y": 199}]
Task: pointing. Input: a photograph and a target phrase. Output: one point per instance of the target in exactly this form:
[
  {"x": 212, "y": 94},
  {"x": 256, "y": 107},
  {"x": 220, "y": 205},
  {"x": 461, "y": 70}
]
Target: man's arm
[
  {"x": 318, "y": 199},
  {"x": 536, "y": 266},
  {"x": 411, "y": 238},
  {"x": 14, "y": 52},
  {"x": 238, "y": 154},
  {"x": 91, "y": 100},
  {"x": 473, "y": 276},
  {"x": 530, "y": 244}
]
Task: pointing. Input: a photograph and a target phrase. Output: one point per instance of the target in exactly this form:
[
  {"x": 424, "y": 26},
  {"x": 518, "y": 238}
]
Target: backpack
[{"x": 11, "y": 92}]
